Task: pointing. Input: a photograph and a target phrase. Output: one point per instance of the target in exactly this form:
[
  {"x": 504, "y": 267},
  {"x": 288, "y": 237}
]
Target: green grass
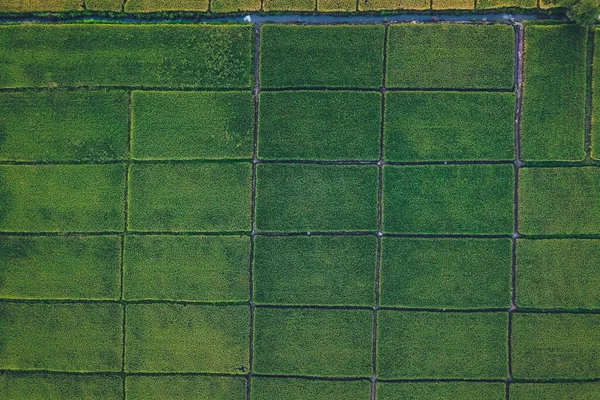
[
  {"x": 448, "y": 199},
  {"x": 185, "y": 388},
  {"x": 555, "y": 346},
  {"x": 63, "y": 126},
  {"x": 459, "y": 126},
  {"x": 558, "y": 273},
  {"x": 60, "y": 267},
  {"x": 58, "y": 387},
  {"x": 450, "y": 56},
  {"x": 61, "y": 198},
  {"x": 192, "y": 125},
  {"x": 349, "y": 56},
  {"x": 442, "y": 345},
  {"x": 103, "y": 5},
  {"x": 161, "y": 55},
  {"x": 440, "y": 390},
  {"x": 303, "y": 389},
  {"x": 369, "y": 5},
  {"x": 61, "y": 337},
  {"x": 336, "y": 5},
  {"x": 452, "y": 4},
  {"x": 187, "y": 338},
  {"x": 234, "y": 6},
  {"x": 554, "y": 74},
  {"x": 317, "y": 270},
  {"x": 559, "y": 201},
  {"x": 595, "y": 133},
  {"x": 319, "y": 125},
  {"x": 313, "y": 342},
  {"x": 190, "y": 197},
  {"x": 289, "y": 5},
  {"x": 20, "y": 6},
  {"x": 298, "y": 197},
  {"x": 555, "y": 391},
  {"x": 491, "y": 4},
  {"x": 134, "y": 6},
  {"x": 193, "y": 268},
  {"x": 445, "y": 273}
]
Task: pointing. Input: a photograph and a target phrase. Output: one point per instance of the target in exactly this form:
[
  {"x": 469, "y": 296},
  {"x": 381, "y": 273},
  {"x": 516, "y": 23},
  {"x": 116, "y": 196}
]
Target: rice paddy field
[{"x": 299, "y": 211}]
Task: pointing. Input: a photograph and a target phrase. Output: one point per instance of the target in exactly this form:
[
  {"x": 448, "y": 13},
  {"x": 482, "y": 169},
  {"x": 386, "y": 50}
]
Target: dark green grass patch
[
  {"x": 61, "y": 198},
  {"x": 446, "y": 273},
  {"x": 440, "y": 390},
  {"x": 61, "y": 337},
  {"x": 318, "y": 270},
  {"x": 289, "y": 5},
  {"x": 60, "y": 267},
  {"x": 298, "y": 197},
  {"x": 558, "y": 273},
  {"x": 595, "y": 139},
  {"x": 446, "y": 199},
  {"x": 319, "y": 125},
  {"x": 559, "y": 201},
  {"x": 185, "y": 388},
  {"x": 194, "y": 268},
  {"x": 430, "y": 126},
  {"x": 14, "y": 386},
  {"x": 190, "y": 197},
  {"x": 556, "y": 346},
  {"x": 299, "y": 56},
  {"x": 187, "y": 338},
  {"x": 303, "y": 389},
  {"x": 63, "y": 126},
  {"x": 192, "y": 125},
  {"x": 441, "y": 345},
  {"x": 165, "y": 55},
  {"x": 233, "y": 6},
  {"x": 450, "y": 56},
  {"x": 555, "y": 391},
  {"x": 134, "y": 6},
  {"x": 313, "y": 342},
  {"x": 553, "y": 117}
]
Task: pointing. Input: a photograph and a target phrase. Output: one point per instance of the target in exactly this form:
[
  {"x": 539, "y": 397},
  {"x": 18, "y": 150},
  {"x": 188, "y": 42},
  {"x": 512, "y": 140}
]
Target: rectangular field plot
[
  {"x": 348, "y": 56},
  {"x": 558, "y": 273},
  {"x": 448, "y": 199},
  {"x": 103, "y": 5},
  {"x": 559, "y": 201},
  {"x": 58, "y": 198},
  {"x": 445, "y": 126},
  {"x": 556, "y": 346},
  {"x": 304, "y": 198},
  {"x": 190, "y": 197},
  {"x": 317, "y": 270},
  {"x": 161, "y": 55},
  {"x": 440, "y": 390},
  {"x": 135, "y": 6},
  {"x": 491, "y": 4},
  {"x": 20, "y": 6},
  {"x": 442, "y": 345},
  {"x": 193, "y": 268},
  {"x": 553, "y": 117},
  {"x": 595, "y": 139},
  {"x": 18, "y": 386},
  {"x": 450, "y": 56},
  {"x": 319, "y": 125},
  {"x": 60, "y": 267},
  {"x": 234, "y": 6},
  {"x": 376, "y": 5},
  {"x": 336, "y": 5},
  {"x": 555, "y": 391},
  {"x": 185, "y": 387},
  {"x": 61, "y": 337},
  {"x": 63, "y": 126},
  {"x": 445, "y": 273},
  {"x": 289, "y": 5},
  {"x": 192, "y": 125},
  {"x": 187, "y": 338},
  {"x": 302, "y": 389},
  {"x": 313, "y": 342}
]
